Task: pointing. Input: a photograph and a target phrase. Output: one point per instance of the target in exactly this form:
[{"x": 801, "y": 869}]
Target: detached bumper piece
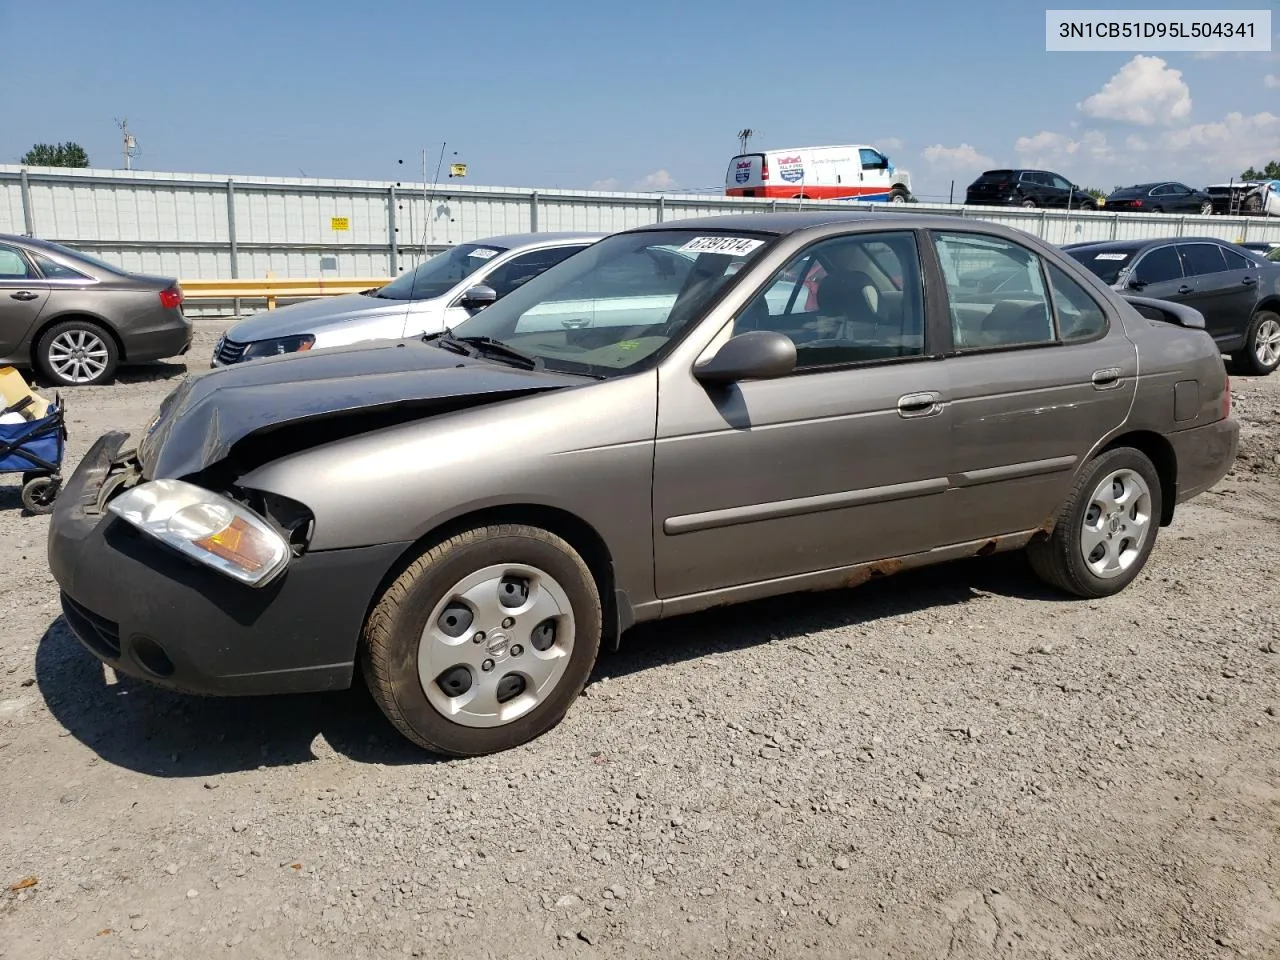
[{"x": 154, "y": 615}]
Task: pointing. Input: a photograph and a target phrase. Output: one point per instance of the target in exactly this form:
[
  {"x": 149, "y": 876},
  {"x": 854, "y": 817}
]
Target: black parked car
[
  {"x": 1162, "y": 196},
  {"x": 1239, "y": 295},
  {"x": 1027, "y": 188}
]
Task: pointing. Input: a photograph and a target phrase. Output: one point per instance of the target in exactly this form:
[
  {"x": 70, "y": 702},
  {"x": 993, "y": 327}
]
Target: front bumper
[
  {"x": 1204, "y": 455},
  {"x": 152, "y": 614}
]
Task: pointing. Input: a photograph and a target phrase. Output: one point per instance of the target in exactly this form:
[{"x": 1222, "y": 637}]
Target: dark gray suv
[
  {"x": 75, "y": 319},
  {"x": 1238, "y": 294}
]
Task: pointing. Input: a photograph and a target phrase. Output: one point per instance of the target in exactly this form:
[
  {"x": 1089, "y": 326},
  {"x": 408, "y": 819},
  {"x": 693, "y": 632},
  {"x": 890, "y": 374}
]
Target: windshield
[
  {"x": 1103, "y": 264},
  {"x": 437, "y": 276},
  {"x": 615, "y": 307}
]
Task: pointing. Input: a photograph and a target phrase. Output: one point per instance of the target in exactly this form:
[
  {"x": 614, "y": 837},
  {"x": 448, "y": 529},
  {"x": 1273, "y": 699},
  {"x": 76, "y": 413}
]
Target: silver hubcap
[
  {"x": 1266, "y": 344},
  {"x": 78, "y": 356},
  {"x": 1116, "y": 524},
  {"x": 496, "y": 645}
]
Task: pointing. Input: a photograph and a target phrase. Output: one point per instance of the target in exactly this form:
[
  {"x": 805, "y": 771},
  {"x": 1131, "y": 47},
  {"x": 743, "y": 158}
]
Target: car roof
[
  {"x": 781, "y": 224},
  {"x": 513, "y": 240}
]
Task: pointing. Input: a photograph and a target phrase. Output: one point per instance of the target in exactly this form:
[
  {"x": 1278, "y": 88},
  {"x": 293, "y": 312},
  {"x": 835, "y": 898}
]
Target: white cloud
[
  {"x": 1049, "y": 149},
  {"x": 1271, "y": 81},
  {"x": 605, "y": 185},
  {"x": 658, "y": 180},
  {"x": 1229, "y": 145},
  {"x": 963, "y": 157},
  {"x": 1146, "y": 91}
]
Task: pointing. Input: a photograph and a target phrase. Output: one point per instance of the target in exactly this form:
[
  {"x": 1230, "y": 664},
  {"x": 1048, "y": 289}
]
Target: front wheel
[
  {"x": 1107, "y": 528},
  {"x": 1261, "y": 353},
  {"x": 484, "y": 641},
  {"x": 897, "y": 196},
  {"x": 1028, "y": 202}
]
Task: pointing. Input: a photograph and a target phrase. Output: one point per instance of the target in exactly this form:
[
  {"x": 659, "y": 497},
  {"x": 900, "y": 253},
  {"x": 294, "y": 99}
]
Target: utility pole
[
  {"x": 744, "y": 137},
  {"x": 130, "y": 144}
]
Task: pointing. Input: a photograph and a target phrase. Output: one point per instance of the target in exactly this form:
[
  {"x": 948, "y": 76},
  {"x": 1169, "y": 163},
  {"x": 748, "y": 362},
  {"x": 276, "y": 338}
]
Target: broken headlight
[{"x": 206, "y": 527}]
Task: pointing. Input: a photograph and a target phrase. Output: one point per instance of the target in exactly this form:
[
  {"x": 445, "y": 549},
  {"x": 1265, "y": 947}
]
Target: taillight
[
  {"x": 171, "y": 298},
  {"x": 1137, "y": 203},
  {"x": 764, "y": 169}
]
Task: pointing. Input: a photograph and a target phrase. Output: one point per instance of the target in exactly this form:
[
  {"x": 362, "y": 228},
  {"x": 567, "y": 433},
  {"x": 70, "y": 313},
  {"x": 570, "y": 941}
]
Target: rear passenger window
[
  {"x": 13, "y": 265},
  {"x": 1234, "y": 260},
  {"x": 53, "y": 270},
  {"x": 996, "y": 292},
  {"x": 1199, "y": 259},
  {"x": 1079, "y": 316}
]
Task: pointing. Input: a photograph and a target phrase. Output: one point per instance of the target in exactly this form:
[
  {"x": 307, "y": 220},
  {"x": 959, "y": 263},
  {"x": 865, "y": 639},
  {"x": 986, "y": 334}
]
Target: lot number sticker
[
  {"x": 1111, "y": 256},
  {"x": 742, "y": 245},
  {"x": 482, "y": 253}
]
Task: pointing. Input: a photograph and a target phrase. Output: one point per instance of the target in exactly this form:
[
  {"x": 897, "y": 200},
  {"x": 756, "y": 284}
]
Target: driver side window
[{"x": 851, "y": 299}]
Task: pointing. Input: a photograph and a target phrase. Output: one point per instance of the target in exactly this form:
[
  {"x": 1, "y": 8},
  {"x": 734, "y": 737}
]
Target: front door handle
[
  {"x": 1106, "y": 379},
  {"x": 1186, "y": 289},
  {"x": 924, "y": 404},
  {"x": 24, "y": 295},
  {"x": 1249, "y": 281}
]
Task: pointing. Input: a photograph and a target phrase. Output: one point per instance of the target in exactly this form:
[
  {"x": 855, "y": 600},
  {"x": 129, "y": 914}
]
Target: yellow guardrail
[{"x": 271, "y": 288}]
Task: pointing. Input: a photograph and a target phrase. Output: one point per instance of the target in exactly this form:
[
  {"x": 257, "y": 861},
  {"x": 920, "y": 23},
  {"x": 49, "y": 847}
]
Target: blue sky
[{"x": 625, "y": 96}]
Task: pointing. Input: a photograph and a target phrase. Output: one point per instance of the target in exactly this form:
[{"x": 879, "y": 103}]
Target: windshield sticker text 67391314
[{"x": 738, "y": 245}]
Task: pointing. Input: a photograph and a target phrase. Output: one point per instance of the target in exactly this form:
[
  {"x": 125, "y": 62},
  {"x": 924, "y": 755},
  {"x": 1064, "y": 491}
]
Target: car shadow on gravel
[
  {"x": 140, "y": 727},
  {"x": 789, "y": 617},
  {"x": 135, "y": 725}
]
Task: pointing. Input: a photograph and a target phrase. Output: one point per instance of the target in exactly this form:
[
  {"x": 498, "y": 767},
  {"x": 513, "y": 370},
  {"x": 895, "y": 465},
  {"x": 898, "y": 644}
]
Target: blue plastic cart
[{"x": 34, "y": 448}]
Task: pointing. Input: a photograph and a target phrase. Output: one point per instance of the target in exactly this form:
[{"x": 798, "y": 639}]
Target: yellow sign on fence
[{"x": 339, "y": 223}]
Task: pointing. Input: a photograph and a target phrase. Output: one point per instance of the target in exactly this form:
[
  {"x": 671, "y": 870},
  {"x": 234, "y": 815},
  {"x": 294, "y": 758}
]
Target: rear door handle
[
  {"x": 1106, "y": 379},
  {"x": 24, "y": 295},
  {"x": 1185, "y": 289},
  {"x": 924, "y": 404}
]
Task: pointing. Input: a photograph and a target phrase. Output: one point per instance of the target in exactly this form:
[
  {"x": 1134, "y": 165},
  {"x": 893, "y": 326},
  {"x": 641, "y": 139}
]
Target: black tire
[
  {"x": 1246, "y": 359},
  {"x": 92, "y": 333},
  {"x": 389, "y": 647},
  {"x": 39, "y": 494},
  {"x": 1059, "y": 561},
  {"x": 899, "y": 196},
  {"x": 1028, "y": 202},
  {"x": 1206, "y": 208}
]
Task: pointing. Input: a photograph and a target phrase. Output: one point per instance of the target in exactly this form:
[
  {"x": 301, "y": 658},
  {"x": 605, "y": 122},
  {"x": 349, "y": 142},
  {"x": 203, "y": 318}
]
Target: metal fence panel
[{"x": 206, "y": 226}]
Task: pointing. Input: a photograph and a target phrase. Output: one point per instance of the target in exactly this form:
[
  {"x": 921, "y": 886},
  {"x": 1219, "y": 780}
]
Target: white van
[{"x": 850, "y": 172}]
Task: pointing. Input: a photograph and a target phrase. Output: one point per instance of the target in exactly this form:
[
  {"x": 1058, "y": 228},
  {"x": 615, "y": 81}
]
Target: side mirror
[
  {"x": 754, "y": 355},
  {"x": 479, "y": 297},
  {"x": 1136, "y": 284}
]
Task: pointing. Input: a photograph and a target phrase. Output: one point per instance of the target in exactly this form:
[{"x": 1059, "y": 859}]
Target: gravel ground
[{"x": 953, "y": 763}]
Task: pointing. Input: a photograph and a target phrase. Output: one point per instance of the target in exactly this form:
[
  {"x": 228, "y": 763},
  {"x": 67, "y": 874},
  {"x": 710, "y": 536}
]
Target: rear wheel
[
  {"x": 77, "y": 353},
  {"x": 485, "y": 640},
  {"x": 1206, "y": 208},
  {"x": 1028, "y": 202},
  {"x": 1107, "y": 528},
  {"x": 39, "y": 493},
  {"x": 1261, "y": 353}
]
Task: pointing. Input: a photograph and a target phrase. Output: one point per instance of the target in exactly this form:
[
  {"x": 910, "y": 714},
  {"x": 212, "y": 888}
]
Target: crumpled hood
[
  {"x": 311, "y": 316},
  {"x": 201, "y": 420}
]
